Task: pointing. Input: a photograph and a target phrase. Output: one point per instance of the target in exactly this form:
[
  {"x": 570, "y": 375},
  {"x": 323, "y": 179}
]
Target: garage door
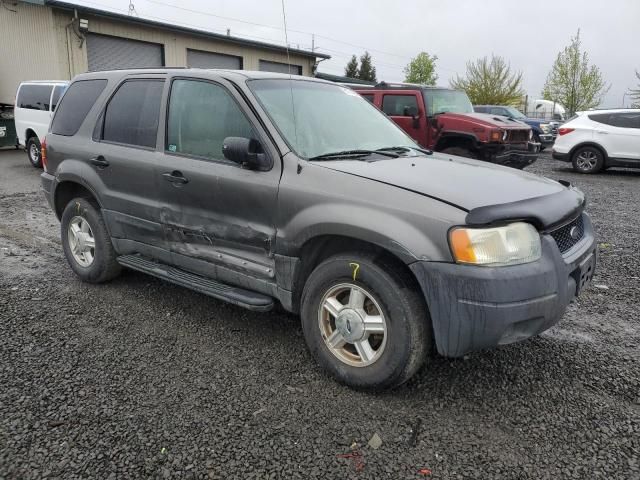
[
  {"x": 267, "y": 66},
  {"x": 200, "y": 59},
  {"x": 109, "y": 53}
]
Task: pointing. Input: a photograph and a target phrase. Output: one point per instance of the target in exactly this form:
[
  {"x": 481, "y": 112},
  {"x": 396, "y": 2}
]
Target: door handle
[
  {"x": 175, "y": 177},
  {"x": 99, "y": 161},
  {"x": 602, "y": 132}
]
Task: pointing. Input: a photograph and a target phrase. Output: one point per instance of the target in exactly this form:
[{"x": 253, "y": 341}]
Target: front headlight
[
  {"x": 545, "y": 127},
  {"x": 512, "y": 244}
]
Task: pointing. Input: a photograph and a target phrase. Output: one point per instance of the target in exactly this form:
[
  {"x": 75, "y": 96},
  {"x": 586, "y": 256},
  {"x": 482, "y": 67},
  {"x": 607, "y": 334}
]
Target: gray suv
[{"x": 258, "y": 188}]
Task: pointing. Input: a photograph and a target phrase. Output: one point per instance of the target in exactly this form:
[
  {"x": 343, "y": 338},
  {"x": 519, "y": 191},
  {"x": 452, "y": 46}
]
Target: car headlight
[
  {"x": 545, "y": 127},
  {"x": 511, "y": 244}
]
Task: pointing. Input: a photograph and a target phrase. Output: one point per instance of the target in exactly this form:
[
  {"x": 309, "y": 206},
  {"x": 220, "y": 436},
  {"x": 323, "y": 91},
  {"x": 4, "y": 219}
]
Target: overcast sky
[{"x": 528, "y": 34}]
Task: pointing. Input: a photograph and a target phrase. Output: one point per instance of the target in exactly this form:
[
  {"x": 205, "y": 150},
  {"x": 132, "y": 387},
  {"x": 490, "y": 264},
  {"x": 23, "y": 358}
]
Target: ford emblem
[{"x": 575, "y": 233}]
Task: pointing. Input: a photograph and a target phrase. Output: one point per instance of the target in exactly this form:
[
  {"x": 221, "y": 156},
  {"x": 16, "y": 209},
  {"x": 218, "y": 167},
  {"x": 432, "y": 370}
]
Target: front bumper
[
  {"x": 514, "y": 155},
  {"x": 546, "y": 139},
  {"x": 480, "y": 307}
]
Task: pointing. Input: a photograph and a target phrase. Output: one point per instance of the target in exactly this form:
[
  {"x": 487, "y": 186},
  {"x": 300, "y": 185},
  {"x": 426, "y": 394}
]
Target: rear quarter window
[
  {"x": 34, "y": 97},
  {"x": 75, "y": 105}
]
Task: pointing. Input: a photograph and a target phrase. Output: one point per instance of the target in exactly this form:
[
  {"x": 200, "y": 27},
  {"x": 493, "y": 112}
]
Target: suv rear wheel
[
  {"x": 587, "y": 160},
  {"x": 86, "y": 242},
  {"x": 365, "y": 321},
  {"x": 33, "y": 152}
]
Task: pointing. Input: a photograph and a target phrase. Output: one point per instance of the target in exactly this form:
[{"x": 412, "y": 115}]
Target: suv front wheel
[
  {"x": 365, "y": 321},
  {"x": 587, "y": 160},
  {"x": 86, "y": 242}
]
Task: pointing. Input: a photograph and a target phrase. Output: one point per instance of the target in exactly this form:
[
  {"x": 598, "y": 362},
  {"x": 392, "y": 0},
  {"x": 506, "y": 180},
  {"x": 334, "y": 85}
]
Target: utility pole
[{"x": 313, "y": 42}]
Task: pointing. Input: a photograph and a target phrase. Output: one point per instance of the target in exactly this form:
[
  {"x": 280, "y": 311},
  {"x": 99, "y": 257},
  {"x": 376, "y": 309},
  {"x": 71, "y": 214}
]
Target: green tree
[
  {"x": 351, "y": 70},
  {"x": 490, "y": 82},
  {"x": 421, "y": 69},
  {"x": 574, "y": 83},
  {"x": 635, "y": 92},
  {"x": 366, "y": 71}
]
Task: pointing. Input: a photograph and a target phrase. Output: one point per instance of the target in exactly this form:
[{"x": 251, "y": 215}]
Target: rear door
[
  {"x": 405, "y": 108},
  {"x": 33, "y": 110},
  {"x": 621, "y": 134},
  {"x": 123, "y": 155},
  {"x": 216, "y": 213}
]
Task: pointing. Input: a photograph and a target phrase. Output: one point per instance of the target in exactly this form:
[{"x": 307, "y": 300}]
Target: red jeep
[{"x": 443, "y": 120}]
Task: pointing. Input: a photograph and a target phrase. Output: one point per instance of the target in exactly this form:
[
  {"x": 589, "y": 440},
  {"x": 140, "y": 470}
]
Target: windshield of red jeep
[
  {"x": 316, "y": 118},
  {"x": 443, "y": 101}
]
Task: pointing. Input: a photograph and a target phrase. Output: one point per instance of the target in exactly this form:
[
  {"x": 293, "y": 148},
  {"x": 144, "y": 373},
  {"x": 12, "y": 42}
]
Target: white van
[{"x": 35, "y": 104}]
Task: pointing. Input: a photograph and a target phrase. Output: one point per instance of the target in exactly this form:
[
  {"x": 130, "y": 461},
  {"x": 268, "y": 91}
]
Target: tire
[
  {"x": 398, "y": 353},
  {"x": 34, "y": 152},
  {"x": 460, "y": 152},
  {"x": 587, "y": 160},
  {"x": 92, "y": 265}
]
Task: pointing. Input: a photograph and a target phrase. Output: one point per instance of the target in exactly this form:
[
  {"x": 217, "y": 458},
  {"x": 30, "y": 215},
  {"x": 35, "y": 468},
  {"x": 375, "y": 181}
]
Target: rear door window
[
  {"x": 75, "y": 105},
  {"x": 399, "y": 105},
  {"x": 35, "y": 97},
  {"x": 132, "y": 114},
  {"x": 201, "y": 116},
  {"x": 58, "y": 90}
]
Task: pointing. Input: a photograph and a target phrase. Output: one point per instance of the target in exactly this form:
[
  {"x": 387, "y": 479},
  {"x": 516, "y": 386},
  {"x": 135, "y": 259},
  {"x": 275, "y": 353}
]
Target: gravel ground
[{"x": 138, "y": 378}]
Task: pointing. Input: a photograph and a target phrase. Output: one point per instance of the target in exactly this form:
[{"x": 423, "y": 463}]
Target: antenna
[
  {"x": 286, "y": 40},
  {"x": 132, "y": 9}
]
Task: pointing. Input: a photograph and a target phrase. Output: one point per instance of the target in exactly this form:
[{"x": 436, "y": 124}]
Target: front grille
[
  {"x": 518, "y": 136},
  {"x": 563, "y": 236}
]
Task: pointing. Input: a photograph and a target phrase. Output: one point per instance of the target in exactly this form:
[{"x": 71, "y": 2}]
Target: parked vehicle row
[
  {"x": 544, "y": 132},
  {"x": 210, "y": 179},
  {"x": 598, "y": 139},
  {"x": 443, "y": 120}
]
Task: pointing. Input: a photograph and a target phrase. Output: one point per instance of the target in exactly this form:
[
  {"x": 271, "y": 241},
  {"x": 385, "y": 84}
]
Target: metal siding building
[{"x": 42, "y": 40}]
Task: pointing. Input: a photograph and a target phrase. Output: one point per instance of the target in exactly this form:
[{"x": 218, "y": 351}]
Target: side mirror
[
  {"x": 413, "y": 113},
  {"x": 245, "y": 151}
]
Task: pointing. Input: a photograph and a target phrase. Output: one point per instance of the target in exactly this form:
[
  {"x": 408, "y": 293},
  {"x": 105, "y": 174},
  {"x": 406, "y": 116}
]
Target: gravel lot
[{"x": 138, "y": 378}]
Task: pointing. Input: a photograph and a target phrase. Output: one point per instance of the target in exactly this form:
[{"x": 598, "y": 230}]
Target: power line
[{"x": 277, "y": 41}]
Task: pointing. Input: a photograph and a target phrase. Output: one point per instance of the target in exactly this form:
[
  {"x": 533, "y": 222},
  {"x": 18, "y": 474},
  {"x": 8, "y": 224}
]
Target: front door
[
  {"x": 405, "y": 108},
  {"x": 219, "y": 218}
]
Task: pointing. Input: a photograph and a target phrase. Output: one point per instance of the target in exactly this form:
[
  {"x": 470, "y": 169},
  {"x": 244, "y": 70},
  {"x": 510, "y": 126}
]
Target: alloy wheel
[
  {"x": 352, "y": 324},
  {"x": 586, "y": 160},
  {"x": 81, "y": 241}
]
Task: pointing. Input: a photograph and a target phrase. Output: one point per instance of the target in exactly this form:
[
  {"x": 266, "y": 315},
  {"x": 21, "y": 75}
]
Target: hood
[
  {"x": 464, "y": 183},
  {"x": 482, "y": 119}
]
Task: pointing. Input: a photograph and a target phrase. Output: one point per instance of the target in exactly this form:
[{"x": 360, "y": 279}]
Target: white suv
[
  {"x": 35, "y": 104},
  {"x": 600, "y": 139}
]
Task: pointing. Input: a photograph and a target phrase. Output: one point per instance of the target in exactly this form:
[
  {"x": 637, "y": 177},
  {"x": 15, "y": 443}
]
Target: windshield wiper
[
  {"x": 405, "y": 148},
  {"x": 353, "y": 153}
]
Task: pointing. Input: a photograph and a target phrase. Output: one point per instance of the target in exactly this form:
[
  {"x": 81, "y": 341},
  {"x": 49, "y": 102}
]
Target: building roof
[
  {"x": 177, "y": 28},
  {"x": 341, "y": 79}
]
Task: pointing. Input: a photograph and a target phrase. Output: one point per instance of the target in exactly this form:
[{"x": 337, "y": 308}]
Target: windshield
[
  {"x": 514, "y": 113},
  {"x": 325, "y": 118},
  {"x": 442, "y": 101}
]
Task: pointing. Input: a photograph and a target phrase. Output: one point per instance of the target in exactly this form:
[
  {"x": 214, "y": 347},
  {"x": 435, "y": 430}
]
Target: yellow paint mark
[{"x": 356, "y": 267}]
